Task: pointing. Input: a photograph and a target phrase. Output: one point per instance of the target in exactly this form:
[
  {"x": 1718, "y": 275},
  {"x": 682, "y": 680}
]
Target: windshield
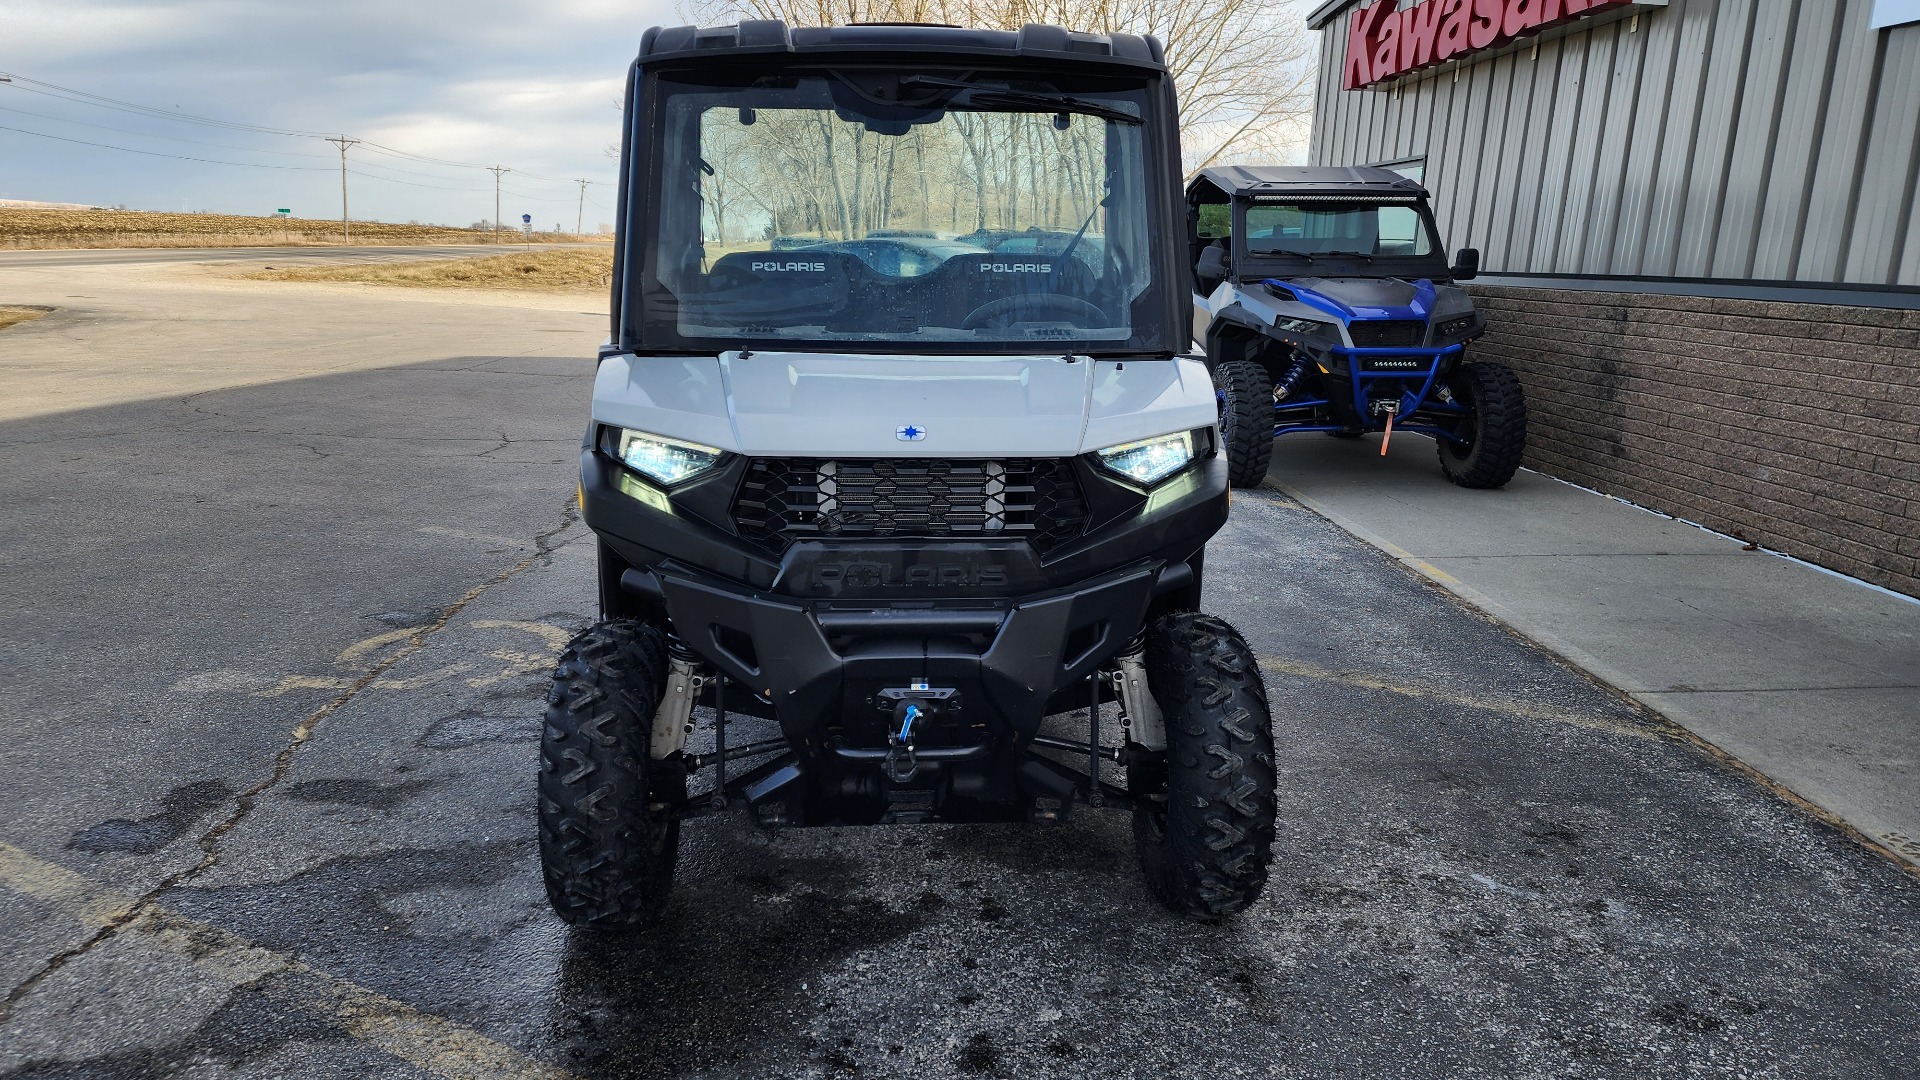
[
  {"x": 1337, "y": 228},
  {"x": 994, "y": 214}
]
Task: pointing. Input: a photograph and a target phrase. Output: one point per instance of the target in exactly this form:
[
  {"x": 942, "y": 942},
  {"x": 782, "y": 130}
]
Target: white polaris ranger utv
[{"x": 892, "y": 446}]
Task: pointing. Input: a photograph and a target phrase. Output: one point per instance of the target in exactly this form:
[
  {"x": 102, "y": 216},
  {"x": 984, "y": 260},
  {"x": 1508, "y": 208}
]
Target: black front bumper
[
  {"x": 820, "y": 664},
  {"x": 817, "y": 633}
]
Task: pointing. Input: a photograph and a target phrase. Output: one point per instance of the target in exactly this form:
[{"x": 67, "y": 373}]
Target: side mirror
[
  {"x": 1212, "y": 267},
  {"x": 1466, "y": 265}
]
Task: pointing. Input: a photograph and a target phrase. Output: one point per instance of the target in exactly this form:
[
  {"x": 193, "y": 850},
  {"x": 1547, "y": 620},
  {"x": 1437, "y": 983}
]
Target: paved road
[
  {"x": 1807, "y": 676},
  {"x": 157, "y": 256},
  {"x": 281, "y": 601}
]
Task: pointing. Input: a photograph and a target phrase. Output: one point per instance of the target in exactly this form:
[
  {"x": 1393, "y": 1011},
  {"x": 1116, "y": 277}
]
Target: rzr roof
[
  {"x": 1238, "y": 181},
  {"x": 770, "y": 37}
]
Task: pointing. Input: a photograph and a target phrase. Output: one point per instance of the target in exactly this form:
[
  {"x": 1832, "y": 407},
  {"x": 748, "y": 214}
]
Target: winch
[{"x": 911, "y": 707}]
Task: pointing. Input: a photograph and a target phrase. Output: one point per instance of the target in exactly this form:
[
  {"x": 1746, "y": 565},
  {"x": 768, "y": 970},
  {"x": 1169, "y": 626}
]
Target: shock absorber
[
  {"x": 1146, "y": 725},
  {"x": 1285, "y": 387},
  {"x": 673, "y": 720}
]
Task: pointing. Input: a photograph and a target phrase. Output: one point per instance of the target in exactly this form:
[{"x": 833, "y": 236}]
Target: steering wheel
[{"x": 1013, "y": 310}]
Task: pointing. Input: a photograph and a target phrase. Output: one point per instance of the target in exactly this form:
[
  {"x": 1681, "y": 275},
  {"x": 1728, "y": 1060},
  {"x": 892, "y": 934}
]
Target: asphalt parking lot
[{"x": 283, "y": 579}]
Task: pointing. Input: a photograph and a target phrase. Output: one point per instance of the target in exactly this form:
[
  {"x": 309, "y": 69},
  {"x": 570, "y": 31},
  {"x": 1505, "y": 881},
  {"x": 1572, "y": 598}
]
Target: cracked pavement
[{"x": 283, "y": 580}]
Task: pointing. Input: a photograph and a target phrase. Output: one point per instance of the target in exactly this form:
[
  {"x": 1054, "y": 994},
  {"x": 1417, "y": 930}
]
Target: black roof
[
  {"x": 771, "y": 36},
  {"x": 1239, "y": 180}
]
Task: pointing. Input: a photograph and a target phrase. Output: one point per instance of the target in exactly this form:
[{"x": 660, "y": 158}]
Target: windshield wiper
[
  {"x": 986, "y": 94},
  {"x": 1312, "y": 255}
]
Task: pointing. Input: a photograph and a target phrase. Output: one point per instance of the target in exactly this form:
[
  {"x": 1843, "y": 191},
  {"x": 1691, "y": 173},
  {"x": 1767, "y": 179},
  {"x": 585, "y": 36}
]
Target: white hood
[{"x": 770, "y": 404}]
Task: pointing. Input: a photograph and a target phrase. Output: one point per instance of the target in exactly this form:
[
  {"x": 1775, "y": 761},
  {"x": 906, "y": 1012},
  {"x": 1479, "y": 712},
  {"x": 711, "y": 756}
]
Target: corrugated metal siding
[{"x": 1777, "y": 140}]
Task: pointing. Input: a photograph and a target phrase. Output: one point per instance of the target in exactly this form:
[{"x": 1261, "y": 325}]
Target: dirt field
[
  {"x": 13, "y": 316},
  {"x": 35, "y": 228},
  {"x": 551, "y": 270}
]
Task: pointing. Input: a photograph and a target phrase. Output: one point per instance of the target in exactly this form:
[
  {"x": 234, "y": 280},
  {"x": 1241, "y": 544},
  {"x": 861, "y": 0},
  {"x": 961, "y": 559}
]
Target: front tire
[
  {"x": 1245, "y": 393},
  {"x": 608, "y": 836},
  {"x": 1203, "y": 819},
  {"x": 1495, "y": 428}
]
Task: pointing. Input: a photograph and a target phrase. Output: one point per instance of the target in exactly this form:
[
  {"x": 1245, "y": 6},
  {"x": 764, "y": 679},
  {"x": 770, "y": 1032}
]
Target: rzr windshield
[
  {"x": 991, "y": 214},
  {"x": 1309, "y": 228}
]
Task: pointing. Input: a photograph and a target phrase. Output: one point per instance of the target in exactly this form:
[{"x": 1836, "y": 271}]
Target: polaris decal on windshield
[
  {"x": 1016, "y": 268},
  {"x": 780, "y": 267}
]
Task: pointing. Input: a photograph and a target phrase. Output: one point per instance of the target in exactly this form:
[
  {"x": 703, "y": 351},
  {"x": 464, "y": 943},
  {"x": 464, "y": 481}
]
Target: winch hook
[{"x": 900, "y": 764}]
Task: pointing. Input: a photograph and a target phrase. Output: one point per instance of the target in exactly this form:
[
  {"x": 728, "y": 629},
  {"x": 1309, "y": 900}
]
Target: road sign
[
  {"x": 526, "y": 219},
  {"x": 283, "y": 210}
]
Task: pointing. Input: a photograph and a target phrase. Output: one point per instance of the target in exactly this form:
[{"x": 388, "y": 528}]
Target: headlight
[
  {"x": 1149, "y": 461},
  {"x": 1453, "y": 328},
  {"x": 1301, "y": 326},
  {"x": 664, "y": 461}
]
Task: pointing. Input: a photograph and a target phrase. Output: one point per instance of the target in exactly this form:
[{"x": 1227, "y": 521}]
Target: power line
[
  {"x": 82, "y": 97},
  {"x": 378, "y": 149},
  {"x": 537, "y": 198},
  {"x": 258, "y": 165},
  {"x": 231, "y": 146},
  {"x": 143, "y": 111},
  {"x": 151, "y": 135},
  {"x": 176, "y": 157},
  {"x": 410, "y": 183},
  {"x": 101, "y": 101},
  {"x": 196, "y": 142},
  {"x": 410, "y": 172}
]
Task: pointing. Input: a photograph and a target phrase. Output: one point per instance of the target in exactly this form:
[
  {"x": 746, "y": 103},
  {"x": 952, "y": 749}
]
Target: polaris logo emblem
[
  {"x": 874, "y": 575},
  {"x": 910, "y": 433},
  {"x": 782, "y": 267},
  {"x": 1016, "y": 268}
]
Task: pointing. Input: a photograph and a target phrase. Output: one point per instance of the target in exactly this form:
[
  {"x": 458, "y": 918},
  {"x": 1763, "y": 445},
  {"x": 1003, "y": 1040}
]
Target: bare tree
[
  {"x": 1244, "y": 68},
  {"x": 722, "y": 187}
]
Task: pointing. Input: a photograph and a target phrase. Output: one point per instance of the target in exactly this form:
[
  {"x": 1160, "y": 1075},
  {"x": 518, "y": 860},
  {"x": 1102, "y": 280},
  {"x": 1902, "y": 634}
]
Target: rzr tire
[
  {"x": 1245, "y": 393},
  {"x": 608, "y": 837},
  {"x": 1495, "y": 428},
  {"x": 1203, "y": 818}
]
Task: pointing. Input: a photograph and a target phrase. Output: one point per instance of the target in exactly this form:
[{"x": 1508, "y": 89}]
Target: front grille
[
  {"x": 786, "y": 499},
  {"x": 1387, "y": 333}
]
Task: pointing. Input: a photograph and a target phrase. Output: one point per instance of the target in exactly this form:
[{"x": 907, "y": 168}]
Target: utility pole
[
  {"x": 580, "y": 217},
  {"x": 496, "y": 170},
  {"x": 343, "y": 142}
]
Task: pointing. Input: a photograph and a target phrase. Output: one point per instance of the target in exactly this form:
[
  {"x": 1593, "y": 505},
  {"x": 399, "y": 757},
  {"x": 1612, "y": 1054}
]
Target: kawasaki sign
[{"x": 1384, "y": 43}]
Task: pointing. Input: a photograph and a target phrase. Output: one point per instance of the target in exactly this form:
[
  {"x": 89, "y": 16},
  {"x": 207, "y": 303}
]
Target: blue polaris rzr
[{"x": 1325, "y": 303}]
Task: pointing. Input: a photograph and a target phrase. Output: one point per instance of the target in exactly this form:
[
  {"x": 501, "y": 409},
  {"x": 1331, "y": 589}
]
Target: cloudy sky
[{"x": 529, "y": 84}]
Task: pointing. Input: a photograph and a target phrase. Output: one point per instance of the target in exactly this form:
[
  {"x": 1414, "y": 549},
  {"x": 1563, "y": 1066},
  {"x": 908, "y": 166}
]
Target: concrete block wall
[{"x": 1794, "y": 426}]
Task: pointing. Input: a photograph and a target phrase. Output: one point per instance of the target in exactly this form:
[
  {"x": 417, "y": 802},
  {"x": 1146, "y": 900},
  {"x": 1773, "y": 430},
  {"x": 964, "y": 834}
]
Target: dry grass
[
  {"x": 14, "y": 316},
  {"x": 553, "y": 270},
  {"x": 37, "y": 228}
]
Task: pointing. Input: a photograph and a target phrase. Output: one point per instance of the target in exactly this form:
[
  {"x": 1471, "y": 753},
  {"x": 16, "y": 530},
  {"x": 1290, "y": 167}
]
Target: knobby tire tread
[
  {"x": 1207, "y": 855},
  {"x": 1246, "y": 420},
  {"x": 1500, "y": 436},
  {"x": 606, "y": 857}
]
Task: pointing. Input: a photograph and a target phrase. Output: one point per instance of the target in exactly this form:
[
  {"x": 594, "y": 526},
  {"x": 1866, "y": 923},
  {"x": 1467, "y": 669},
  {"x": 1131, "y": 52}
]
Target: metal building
[{"x": 1699, "y": 234}]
